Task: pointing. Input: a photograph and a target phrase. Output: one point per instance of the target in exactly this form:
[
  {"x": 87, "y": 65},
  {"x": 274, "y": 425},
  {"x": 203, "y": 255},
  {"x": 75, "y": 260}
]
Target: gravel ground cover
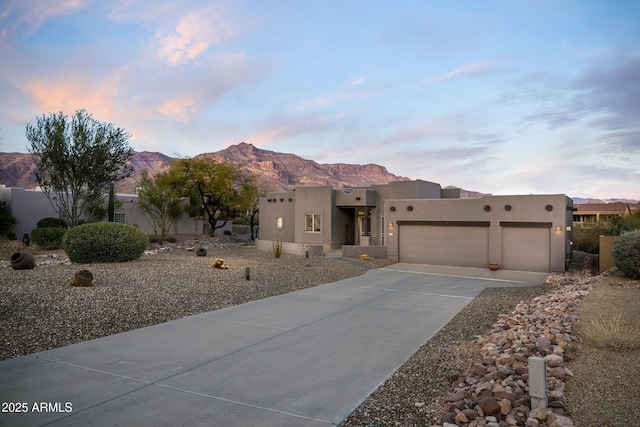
[
  {"x": 601, "y": 393},
  {"x": 39, "y": 310}
]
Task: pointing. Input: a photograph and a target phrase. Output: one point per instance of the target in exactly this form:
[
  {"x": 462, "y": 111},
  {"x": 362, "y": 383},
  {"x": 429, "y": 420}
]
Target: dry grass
[
  {"x": 606, "y": 381},
  {"x": 612, "y": 332}
]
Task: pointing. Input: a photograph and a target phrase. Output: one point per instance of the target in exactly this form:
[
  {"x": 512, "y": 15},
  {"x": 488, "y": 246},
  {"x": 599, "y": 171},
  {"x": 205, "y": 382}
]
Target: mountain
[
  {"x": 583, "y": 201},
  {"x": 276, "y": 171},
  {"x": 285, "y": 171}
]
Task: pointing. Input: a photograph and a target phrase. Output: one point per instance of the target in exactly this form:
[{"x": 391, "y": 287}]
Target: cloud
[
  {"x": 24, "y": 17},
  {"x": 193, "y": 34},
  {"x": 473, "y": 68},
  {"x": 358, "y": 81},
  {"x": 604, "y": 98}
]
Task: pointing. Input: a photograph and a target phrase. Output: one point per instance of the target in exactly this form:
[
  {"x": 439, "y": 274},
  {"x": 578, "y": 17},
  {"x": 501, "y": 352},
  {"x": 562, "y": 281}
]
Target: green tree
[
  {"x": 76, "y": 158},
  {"x": 159, "y": 201},
  {"x": 250, "y": 211},
  {"x": 221, "y": 188}
]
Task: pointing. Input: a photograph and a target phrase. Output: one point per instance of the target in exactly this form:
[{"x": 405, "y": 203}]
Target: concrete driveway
[{"x": 307, "y": 358}]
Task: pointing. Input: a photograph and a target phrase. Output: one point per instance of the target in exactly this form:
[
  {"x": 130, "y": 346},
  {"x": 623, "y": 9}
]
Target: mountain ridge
[{"x": 276, "y": 171}]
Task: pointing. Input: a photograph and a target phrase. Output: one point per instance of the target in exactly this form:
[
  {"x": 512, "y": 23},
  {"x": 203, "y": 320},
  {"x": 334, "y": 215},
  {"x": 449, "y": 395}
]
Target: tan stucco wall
[
  {"x": 530, "y": 208},
  {"x": 276, "y": 205},
  {"x": 30, "y": 206},
  {"x": 314, "y": 200}
]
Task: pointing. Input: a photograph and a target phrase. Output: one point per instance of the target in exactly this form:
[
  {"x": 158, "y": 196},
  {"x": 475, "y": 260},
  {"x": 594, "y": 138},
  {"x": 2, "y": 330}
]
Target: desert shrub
[
  {"x": 104, "y": 242},
  {"x": 52, "y": 223},
  {"x": 7, "y": 222},
  {"x": 612, "y": 334},
  {"x": 586, "y": 237},
  {"x": 626, "y": 253},
  {"x": 48, "y": 237},
  {"x": 227, "y": 232}
]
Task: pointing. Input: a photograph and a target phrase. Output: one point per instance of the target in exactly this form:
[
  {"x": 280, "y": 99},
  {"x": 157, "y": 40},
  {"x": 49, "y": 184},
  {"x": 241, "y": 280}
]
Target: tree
[
  {"x": 76, "y": 158},
  {"x": 160, "y": 202},
  {"x": 251, "y": 212},
  {"x": 7, "y": 221},
  {"x": 222, "y": 188}
]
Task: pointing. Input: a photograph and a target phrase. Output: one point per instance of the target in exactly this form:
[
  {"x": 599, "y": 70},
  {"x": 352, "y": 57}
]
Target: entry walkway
[{"x": 307, "y": 358}]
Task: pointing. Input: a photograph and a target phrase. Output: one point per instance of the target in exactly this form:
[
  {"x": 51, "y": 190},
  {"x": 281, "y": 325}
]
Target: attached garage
[
  {"x": 455, "y": 243},
  {"x": 526, "y": 246}
]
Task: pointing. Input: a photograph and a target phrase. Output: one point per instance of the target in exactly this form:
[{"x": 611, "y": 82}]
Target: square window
[{"x": 119, "y": 217}]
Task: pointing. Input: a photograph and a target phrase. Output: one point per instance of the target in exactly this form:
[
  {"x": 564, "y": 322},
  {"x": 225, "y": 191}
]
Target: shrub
[
  {"x": 227, "y": 233},
  {"x": 277, "y": 248},
  {"x": 52, "y": 223},
  {"x": 7, "y": 221},
  {"x": 626, "y": 253},
  {"x": 48, "y": 237},
  {"x": 104, "y": 242},
  {"x": 586, "y": 237},
  {"x": 612, "y": 334}
]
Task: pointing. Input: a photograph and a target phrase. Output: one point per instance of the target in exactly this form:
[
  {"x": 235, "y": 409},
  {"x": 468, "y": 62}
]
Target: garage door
[
  {"x": 462, "y": 244},
  {"x": 526, "y": 247}
]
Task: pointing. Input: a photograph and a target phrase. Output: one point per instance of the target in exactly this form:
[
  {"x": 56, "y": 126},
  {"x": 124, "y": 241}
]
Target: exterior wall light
[{"x": 558, "y": 229}]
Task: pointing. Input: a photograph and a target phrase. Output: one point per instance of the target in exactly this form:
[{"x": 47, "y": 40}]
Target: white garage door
[
  {"x": 526, "y": 248},
  {"x": 453, "y": 243}
]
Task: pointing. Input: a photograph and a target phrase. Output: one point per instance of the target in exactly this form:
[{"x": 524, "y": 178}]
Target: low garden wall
[
  {"x": 291, "y": 248},
  {"x": 606, "y": 252}
]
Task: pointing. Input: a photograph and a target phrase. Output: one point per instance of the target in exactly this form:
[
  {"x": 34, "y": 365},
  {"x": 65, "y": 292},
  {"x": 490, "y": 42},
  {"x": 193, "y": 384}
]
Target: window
[
  {"x": 312, "y": 223},
  {"x": 119, "y": 217},
  {"x": 280, "y": 223}
]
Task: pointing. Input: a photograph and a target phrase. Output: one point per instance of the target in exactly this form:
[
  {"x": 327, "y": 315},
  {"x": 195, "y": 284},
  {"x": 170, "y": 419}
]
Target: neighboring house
[
  {"x": 591, "y": 213},
  {"x": 419, "y": 222},
  {"x": 30, "y": 206}
]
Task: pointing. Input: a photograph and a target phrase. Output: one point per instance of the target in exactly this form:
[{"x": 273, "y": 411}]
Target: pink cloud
[{"x": 193, "y": 35}]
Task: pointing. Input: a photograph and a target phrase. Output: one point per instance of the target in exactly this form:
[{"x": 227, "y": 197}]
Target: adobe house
[
  {"x": 419, "y": 222},
  {"x": 599, "y": 212}
]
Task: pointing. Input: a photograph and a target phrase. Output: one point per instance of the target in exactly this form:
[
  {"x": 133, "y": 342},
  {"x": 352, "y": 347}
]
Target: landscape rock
[{"x": 543, "y": 328}]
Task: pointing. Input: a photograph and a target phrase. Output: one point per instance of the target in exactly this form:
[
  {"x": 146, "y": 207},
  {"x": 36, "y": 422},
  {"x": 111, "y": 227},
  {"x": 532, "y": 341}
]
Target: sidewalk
[{"x": 307, "y": 358}]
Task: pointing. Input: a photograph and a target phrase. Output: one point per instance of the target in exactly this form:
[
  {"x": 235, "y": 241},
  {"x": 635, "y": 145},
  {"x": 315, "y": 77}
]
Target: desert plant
[
  {"x": 51, "y": 223},
  {"x": 586, "y": 237},
  {"x": 48, "y": 237},
  {"x": 610, "y": 333},
  {"x": 7, "y": 221},
  {"x": 365, "y": 257},
  {"x": 227, "y": 233},
  {"x": 277, "y": 248},
  {"x": 104, "y": 242},
  {"x": 626, "y": 253},
  {"x": 219, "y": 263}
]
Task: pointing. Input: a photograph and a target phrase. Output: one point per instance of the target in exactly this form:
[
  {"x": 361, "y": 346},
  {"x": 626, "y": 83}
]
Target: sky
[{"x": 501, "y": 97}]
